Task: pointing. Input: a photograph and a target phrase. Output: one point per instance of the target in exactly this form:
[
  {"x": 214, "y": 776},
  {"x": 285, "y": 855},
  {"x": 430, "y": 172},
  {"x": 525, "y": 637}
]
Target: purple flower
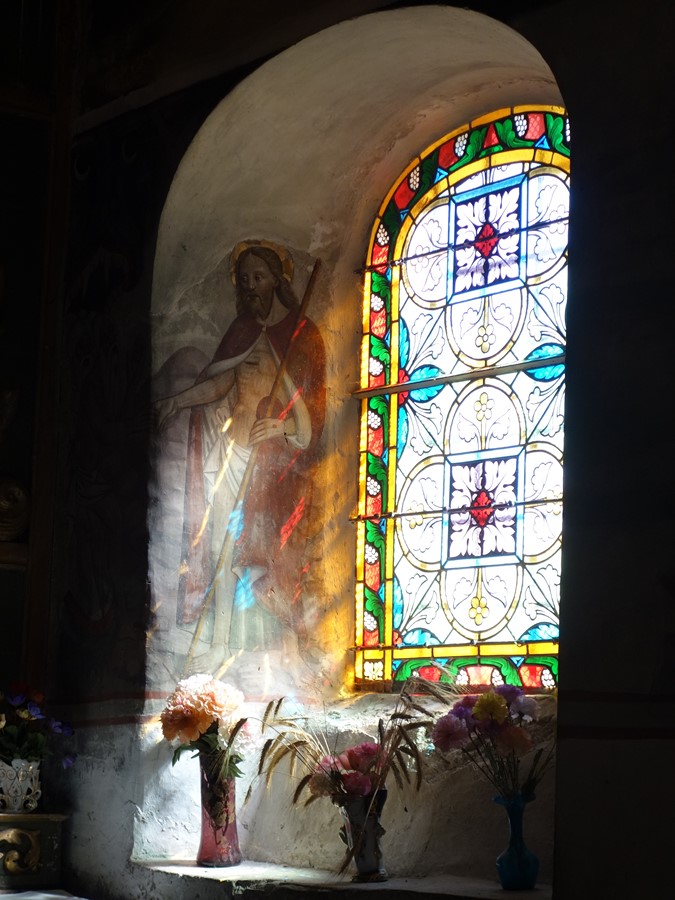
[
  {"x": 35, "y": 710},
  {"x": 463, "y": 708},
  {"x": 61, "y": 727},
  {"x": 509, "y": 692},
  {"x": 525, "y": 707},
  {"x": 16, "y": 699},
  {"x": 68, "y": 760}
]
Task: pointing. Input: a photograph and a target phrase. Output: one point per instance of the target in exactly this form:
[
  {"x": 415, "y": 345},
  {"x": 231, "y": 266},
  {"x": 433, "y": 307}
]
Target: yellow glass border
[
  {"x": 387, "y": 654},
  {"x": 486, "y": 118}
]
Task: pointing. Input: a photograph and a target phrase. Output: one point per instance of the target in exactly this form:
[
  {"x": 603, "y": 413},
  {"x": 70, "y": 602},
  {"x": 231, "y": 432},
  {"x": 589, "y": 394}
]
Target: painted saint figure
[{"x": 250, "y": 460}]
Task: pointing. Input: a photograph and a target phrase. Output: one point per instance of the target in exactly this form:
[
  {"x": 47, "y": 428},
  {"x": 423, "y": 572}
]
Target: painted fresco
[{"x": 239, "y": 426}]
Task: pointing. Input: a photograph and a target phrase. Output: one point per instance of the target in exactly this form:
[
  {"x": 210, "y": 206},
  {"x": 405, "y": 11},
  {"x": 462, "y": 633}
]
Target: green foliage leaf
[
  {"x": 376, "y": 608},
  {"x": 380, "y": 285},
  {"x": 507, "y": 135},
  {"x": 379, "y": 350},
  {"x": 381, "y": 406},
  {"x": 180, "y": 750},
  {"x": 408, "y": 667},
  {"x": 378, "y": 470},
  {"x": 474, "y": 145},
  {"x": 20, "y": 743},
  {"x": 392, "y": 221},
  {"x": 375, "y": 537},
  {"x": 428, "y": 171},
  {"x": 555, "y": 130},
  {"x": 550, "y": 662}
]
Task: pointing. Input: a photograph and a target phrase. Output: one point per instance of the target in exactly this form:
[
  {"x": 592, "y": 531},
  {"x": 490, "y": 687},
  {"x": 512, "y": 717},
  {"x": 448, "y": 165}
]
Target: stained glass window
[{"x": 462, "y": 390}]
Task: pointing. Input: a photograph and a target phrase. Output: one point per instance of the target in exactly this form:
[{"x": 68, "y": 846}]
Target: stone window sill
[{"x": 258, "y": 879}]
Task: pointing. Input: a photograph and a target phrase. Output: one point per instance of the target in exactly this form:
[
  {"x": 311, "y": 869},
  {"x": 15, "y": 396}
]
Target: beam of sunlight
[
  {"x": 235, "y": 524},
  {"x": 298, "y": 586},
  {"x": 289, "y": 406},
  {"x": 226, "y": 665},
  {"x": 288, "y": 468},
  {"x": 244, "y": 598},
  {"x": 292, "y": 522},
  {"x": 297, "y": 331},
  {"x": 219, "y": 478}
]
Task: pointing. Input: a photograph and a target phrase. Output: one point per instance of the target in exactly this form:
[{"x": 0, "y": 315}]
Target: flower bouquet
[
  {"x": 204, "y": 715},
  {"x": 493, "y": 731},
  {"x": 354, "y": 779},
  {"x": 27, "y": 737}
]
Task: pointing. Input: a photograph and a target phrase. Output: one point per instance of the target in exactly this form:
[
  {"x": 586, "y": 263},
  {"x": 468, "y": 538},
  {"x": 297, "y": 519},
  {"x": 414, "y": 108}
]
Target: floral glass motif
[{"x": 462, "y": 392}]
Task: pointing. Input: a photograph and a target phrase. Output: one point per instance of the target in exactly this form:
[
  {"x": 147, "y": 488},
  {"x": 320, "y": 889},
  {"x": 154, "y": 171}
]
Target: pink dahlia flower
[
  {"x": 449, "y": 732},
  {"x": 363, "y": 757},
  {"x": 357, "y": 784}
]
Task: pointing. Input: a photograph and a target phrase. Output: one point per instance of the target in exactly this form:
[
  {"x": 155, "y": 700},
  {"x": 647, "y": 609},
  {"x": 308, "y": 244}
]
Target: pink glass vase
[{"x": 219, "y": 844}]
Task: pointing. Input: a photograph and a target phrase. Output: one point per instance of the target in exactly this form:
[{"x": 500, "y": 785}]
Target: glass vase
[
  {"x": 517, "y": 866},
  {"x": 362, "y": 832},
  {"x": 19, "y": 786},
  {"x": 219, "y": 844}
]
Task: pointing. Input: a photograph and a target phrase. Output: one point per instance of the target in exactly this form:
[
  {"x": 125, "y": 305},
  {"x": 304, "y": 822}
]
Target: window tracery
[{"x": 462, "y": 395}]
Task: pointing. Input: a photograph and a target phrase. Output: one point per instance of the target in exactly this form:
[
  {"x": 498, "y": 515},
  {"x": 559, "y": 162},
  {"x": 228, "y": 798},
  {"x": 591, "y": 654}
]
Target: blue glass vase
[{"x": 517, "y": 866}]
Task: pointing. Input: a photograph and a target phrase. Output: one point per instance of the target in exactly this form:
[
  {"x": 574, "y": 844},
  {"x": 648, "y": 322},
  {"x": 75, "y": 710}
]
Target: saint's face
[{"x": 257, "y": 284}]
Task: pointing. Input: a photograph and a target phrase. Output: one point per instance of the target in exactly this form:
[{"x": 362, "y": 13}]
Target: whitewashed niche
[{"x": 300, "y": 155}]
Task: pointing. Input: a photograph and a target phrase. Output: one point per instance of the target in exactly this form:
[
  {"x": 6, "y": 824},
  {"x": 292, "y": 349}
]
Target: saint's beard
[{"x": 258, "y": 306}]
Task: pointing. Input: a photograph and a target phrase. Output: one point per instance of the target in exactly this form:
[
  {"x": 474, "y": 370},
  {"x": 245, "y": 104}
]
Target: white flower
[
  {"x": 488, "y": 239},
  {"x": 483, "y": 495},
  {"x": 526, "y": 707}
]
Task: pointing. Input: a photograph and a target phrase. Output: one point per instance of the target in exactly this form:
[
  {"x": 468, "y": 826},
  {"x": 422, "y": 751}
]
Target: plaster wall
[
  {"x": 302, "y": 153},
  {"x": 616, "y": 701}
]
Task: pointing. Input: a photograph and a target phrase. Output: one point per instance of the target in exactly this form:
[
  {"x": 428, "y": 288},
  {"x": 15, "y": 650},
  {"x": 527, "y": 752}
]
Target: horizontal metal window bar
[
  {"x": 453, "y": 510},
  {"x": 499, "y": 235},
  {"x": 473, "y": 375}
]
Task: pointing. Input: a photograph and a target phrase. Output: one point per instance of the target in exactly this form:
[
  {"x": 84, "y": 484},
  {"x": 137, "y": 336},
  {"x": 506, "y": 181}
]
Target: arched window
[{"x": 462, "y": 387}]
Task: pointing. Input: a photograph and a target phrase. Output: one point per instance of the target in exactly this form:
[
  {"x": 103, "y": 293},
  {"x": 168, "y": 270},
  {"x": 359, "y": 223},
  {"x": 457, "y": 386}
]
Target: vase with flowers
[
  {"x": 204, "y": 714},
  {"x": 27, "y": 737},
  {"x": 493, "y": 731},
  {"x": 354, "y": 779}
]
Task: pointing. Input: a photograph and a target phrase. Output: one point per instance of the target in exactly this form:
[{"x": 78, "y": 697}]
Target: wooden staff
[{"x": 243, "y": 487}]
